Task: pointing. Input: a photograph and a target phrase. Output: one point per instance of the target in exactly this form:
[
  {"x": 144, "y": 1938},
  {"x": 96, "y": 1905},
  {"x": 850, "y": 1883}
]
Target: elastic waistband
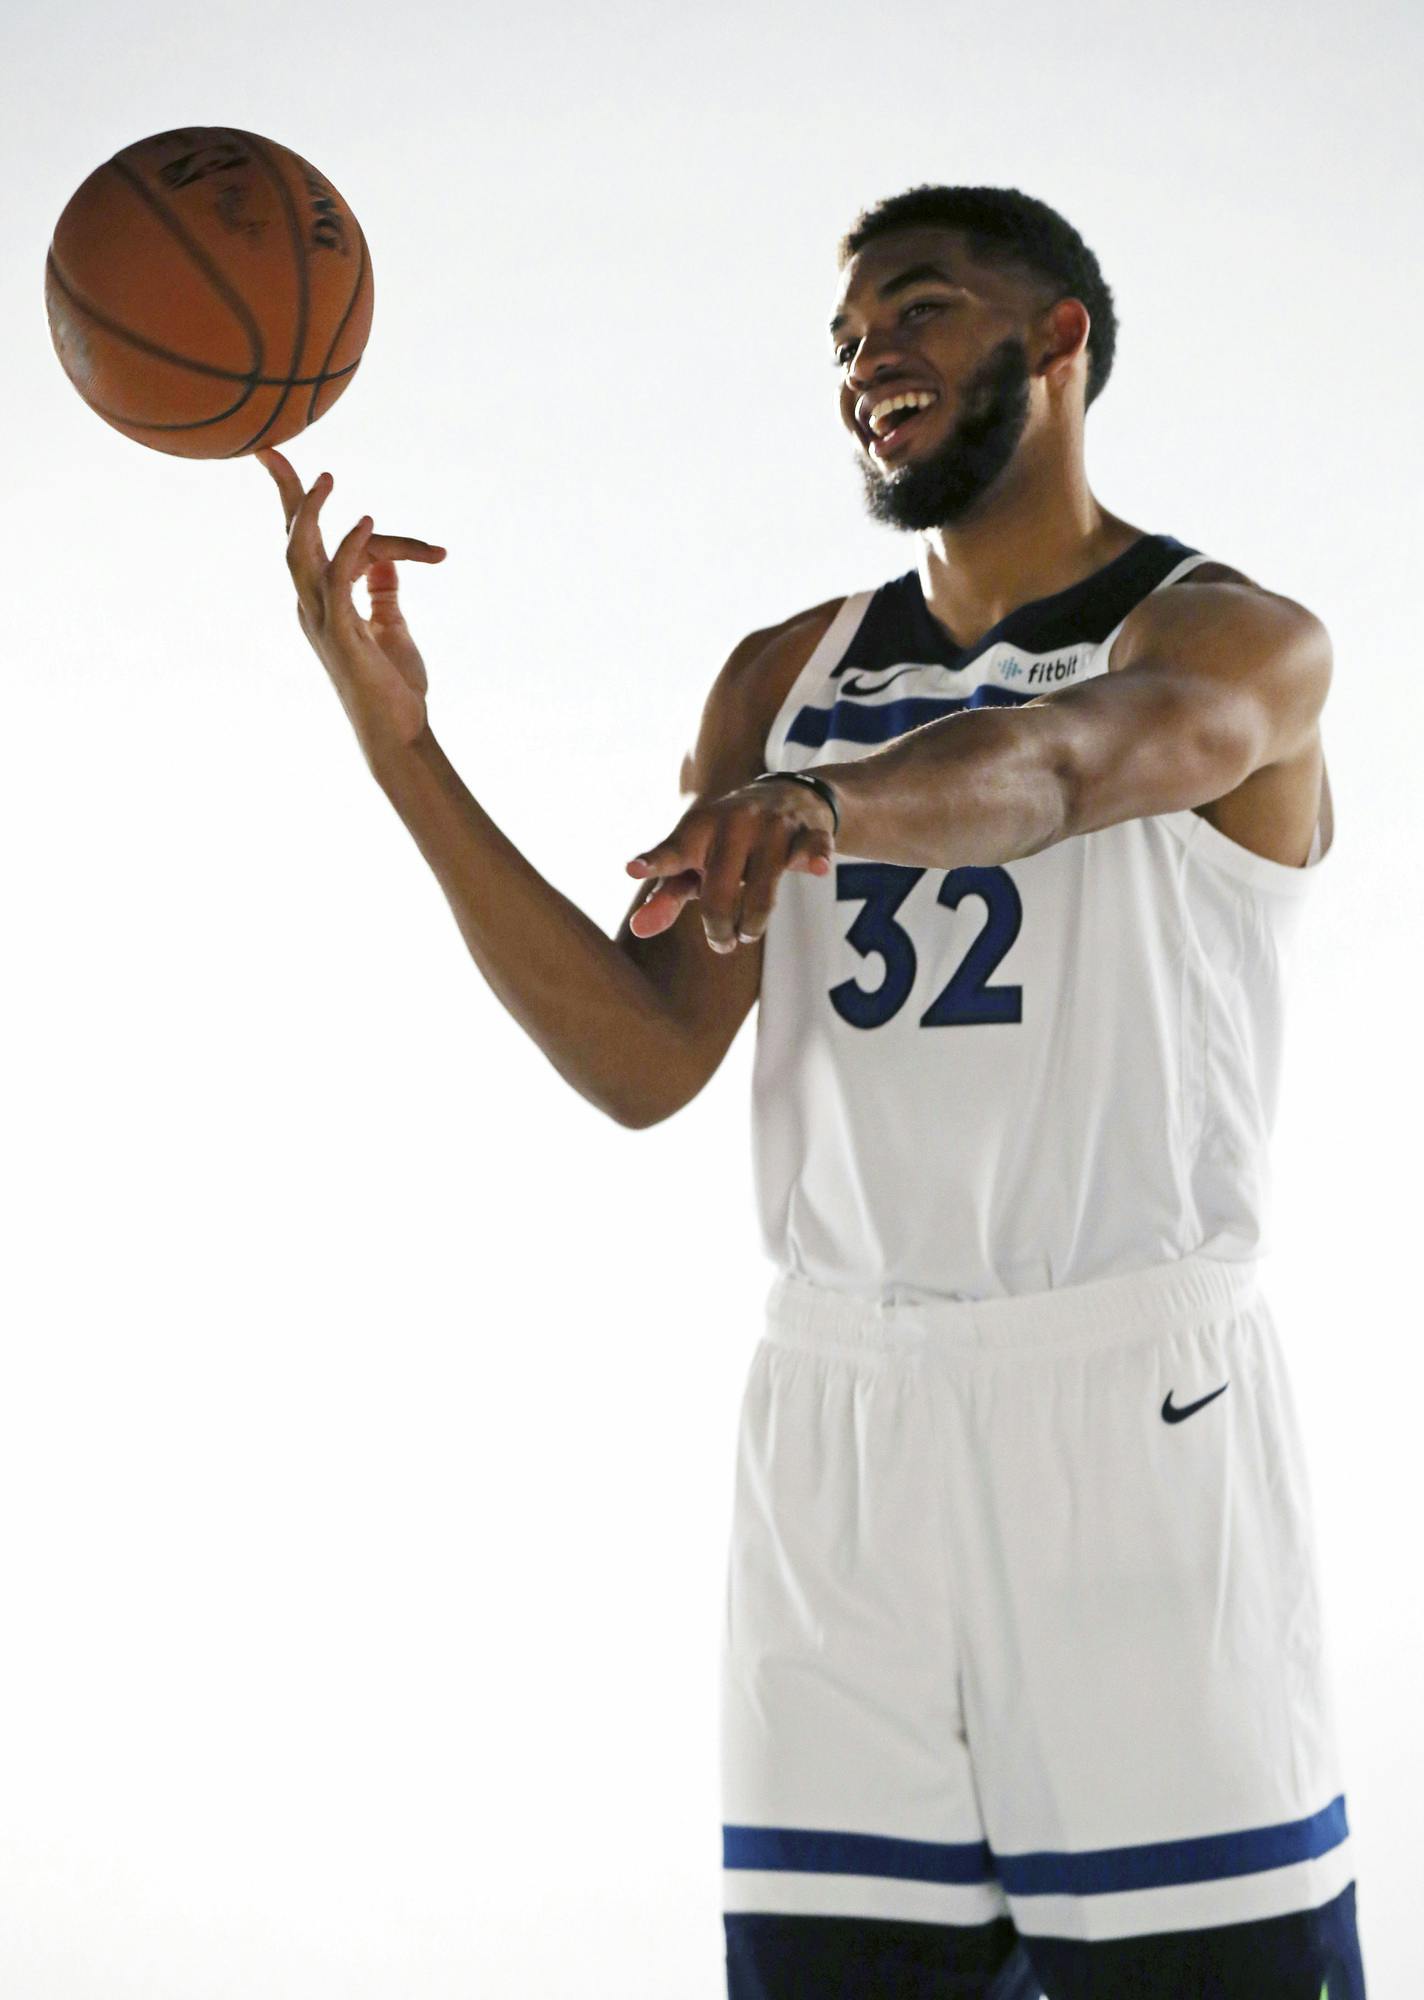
[{"x": 1157, "y": 1299}]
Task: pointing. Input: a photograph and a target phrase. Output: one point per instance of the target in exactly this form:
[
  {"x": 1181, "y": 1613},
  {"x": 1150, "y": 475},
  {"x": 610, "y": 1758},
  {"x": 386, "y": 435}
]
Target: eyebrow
[{"x": 913, "y": 276}]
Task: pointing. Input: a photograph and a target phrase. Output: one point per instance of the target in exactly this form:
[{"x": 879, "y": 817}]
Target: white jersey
[{"x": 990, "y": 1081}]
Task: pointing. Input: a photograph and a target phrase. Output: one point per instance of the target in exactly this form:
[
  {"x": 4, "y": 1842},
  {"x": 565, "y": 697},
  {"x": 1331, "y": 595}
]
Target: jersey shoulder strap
[{"x": 831, "y": 650}]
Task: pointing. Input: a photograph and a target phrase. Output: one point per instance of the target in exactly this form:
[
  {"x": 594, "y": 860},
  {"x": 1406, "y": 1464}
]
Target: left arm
[{"x": 1210, "y": 684}]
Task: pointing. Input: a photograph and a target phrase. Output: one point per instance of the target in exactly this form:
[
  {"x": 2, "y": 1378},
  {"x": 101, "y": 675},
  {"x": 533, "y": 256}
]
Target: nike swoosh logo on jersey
[
  {"x": 1172, "y": 1415},
  {"x": 861, "y": 687}
]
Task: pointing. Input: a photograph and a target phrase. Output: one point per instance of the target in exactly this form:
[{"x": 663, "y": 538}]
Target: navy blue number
[
  {"x": 969, "y": 996},
  {"x": 882, "y": 887}
]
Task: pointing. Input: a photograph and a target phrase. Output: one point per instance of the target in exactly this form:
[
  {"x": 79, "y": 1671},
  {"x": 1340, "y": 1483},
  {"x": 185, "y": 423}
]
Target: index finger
[
  {"x": 306, "y": 551},
  {"x": 285, "y": 475},
  {"x": 670, "y": 857}
]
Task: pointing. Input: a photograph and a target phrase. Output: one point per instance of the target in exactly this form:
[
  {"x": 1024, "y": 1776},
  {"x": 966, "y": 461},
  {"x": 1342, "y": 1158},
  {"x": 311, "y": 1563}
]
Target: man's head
[{"x": 989, "y": 310}]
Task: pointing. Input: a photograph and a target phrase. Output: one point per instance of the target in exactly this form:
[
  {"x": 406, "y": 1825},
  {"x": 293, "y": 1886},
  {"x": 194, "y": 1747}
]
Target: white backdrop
[{"x": 368, "y": 1399}]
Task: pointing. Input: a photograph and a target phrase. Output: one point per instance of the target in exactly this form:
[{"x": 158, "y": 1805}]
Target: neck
[{"x": 1038, "y": 531}]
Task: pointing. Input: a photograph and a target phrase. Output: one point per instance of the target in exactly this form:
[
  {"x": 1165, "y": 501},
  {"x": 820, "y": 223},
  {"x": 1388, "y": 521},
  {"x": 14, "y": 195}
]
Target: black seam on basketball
[
  {"x": 294, "y": 234},
  {"x": 312, "y": 411}
]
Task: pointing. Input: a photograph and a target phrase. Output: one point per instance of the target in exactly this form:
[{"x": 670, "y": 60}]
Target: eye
[{"x": 842, "y": 355}]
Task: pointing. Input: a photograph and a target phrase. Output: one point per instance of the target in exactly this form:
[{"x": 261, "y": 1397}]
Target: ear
[{"x": 1062, "y": 337}]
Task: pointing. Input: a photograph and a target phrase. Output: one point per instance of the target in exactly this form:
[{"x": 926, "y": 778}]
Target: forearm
[
  {"x": 571, "y": 988},
  {"x": 973, "y": 789}
]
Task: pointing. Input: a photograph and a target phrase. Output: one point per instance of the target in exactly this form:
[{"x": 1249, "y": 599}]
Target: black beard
[{"x": 941, "y": 489}]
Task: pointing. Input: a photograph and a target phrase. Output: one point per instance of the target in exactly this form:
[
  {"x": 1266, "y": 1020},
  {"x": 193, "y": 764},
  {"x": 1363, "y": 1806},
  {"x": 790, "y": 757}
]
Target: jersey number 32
[{"x": 882, "y": 887}]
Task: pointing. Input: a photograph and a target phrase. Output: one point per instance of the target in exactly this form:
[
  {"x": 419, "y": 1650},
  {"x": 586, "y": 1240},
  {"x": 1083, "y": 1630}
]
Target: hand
[
  {"x": 730, "y": 852},
  {"x": 373, "y": 662}
]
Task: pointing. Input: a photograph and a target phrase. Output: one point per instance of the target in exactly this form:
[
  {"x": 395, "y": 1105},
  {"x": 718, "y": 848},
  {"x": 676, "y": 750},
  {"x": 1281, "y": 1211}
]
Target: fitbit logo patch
[
  {"x": 1010, "y": 665},
  {"x": 1048, "y": 673}
]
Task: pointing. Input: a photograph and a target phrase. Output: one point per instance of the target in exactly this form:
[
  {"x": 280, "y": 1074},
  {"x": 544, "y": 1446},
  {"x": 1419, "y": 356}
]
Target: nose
[{"x": 876, "y": 356}]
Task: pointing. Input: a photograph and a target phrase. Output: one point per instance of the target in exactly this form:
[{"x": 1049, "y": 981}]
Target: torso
[{"x": 932, "y": 1108}]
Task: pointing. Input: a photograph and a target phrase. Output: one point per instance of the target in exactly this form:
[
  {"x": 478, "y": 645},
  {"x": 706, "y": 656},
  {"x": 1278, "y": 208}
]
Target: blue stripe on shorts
[{"x": 1094, "y": 1872}]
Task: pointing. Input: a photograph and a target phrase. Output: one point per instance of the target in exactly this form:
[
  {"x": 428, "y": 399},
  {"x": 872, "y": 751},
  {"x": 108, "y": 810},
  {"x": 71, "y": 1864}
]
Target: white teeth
[{"x": 915, "y": 399}]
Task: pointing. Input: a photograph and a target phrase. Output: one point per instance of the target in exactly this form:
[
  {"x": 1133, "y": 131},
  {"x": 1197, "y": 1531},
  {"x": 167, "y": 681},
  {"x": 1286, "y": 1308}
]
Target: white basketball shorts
[{"x": 1022, "y": 1614}]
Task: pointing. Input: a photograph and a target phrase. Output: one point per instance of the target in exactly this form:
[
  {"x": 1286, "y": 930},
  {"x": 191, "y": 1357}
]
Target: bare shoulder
[
  {"x": 1215, "y": 592},
  {"x": 1286, "y": 609},
  {"x": 744, "y": 698},
  {"x": 1275, "y": 811}
]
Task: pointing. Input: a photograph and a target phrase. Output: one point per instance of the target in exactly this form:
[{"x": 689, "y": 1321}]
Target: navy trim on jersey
[
  {"x": 1099, "y": 1871},
  {"x": 1086, "y": 611},
  {"x": 860, "y": 722},
  {"x": 898, "y": 628}
]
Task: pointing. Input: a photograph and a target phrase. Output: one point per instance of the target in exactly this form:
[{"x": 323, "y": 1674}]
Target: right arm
[{"x": 636, "y": 1025}]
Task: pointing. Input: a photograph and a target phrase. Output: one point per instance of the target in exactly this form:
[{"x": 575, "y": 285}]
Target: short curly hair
[{"x": 1004, "y": 227}]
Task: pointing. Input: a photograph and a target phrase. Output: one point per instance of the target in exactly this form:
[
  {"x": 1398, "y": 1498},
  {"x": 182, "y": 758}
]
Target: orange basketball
[{"x": 209, "y": 292}]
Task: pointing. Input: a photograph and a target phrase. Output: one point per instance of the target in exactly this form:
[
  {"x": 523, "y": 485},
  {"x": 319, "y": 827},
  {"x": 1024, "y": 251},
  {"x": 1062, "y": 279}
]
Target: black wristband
[{"x": 816, "y": 784}]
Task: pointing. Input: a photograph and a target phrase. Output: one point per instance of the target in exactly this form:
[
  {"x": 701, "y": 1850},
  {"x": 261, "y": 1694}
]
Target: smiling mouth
[{"x": 894, "y": 441}]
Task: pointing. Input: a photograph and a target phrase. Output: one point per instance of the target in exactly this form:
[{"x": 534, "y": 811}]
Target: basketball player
[{"x": 1023, "y": 1687}]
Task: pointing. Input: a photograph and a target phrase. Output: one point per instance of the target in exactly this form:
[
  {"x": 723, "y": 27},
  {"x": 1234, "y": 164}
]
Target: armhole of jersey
[
  {"x": 834, "y": 640},
  {"x": 1208, "y": 842}
]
